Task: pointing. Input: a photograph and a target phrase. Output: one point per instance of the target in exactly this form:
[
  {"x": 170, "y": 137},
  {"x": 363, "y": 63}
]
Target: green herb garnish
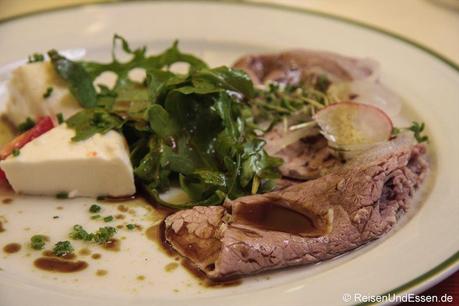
[
  {"x": 78, "y": 233},
  {"x": 26, "y": 125},
  {"x": 417, "y": 129},
  {"x": 62, "y": 195},
  {"x": 37, "y": 242},
  {"x": 104, "y": 234},
  {"x": 63, "y": 248},
  {"x": 94, "y": 208},
  {"x": 95, "y": 217},
  {"x": 108, "y": 219},
  {"x": 16, "y": 152},
  {"x": 130, "y": 226},
  {"x": 35, "y": 57},
  {"x": 48, "y": 92},
  {"x": 60, "y": 118}
]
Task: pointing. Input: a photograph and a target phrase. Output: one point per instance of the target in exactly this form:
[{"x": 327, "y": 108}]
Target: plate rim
[{"x": 424, "y": 280}]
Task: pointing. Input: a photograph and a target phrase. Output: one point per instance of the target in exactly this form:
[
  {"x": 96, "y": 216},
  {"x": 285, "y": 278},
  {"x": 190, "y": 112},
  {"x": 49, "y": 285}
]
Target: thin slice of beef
[
  {"x": 303, "y": 66},
  {"x": 351, "y": 206},
  {"x": 306, "y": 159}
]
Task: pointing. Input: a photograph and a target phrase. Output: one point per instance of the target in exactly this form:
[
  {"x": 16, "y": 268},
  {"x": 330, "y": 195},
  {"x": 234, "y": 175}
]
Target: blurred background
[{"x": 433, "y": 23}]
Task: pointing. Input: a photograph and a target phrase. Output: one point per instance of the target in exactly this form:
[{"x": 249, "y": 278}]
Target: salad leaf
[
  {"x": 91, "y": 121},
  {"x": 160, "y": 121},
  {"x": 79, "y": 81}
]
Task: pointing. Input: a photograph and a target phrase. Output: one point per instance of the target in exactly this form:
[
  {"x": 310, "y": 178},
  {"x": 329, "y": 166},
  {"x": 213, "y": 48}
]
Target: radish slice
[
  {"x": 376, "y": 94},
  {"x": 352, "y": 126}
]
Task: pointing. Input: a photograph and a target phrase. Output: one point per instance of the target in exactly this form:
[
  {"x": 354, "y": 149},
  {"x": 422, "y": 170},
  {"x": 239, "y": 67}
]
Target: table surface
[{"x": 433, "y": 23}]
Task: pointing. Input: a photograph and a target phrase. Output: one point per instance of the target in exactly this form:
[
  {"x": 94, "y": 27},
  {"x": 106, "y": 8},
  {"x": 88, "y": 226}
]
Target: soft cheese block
[
  {"x": 27, "y": 94},
  {"x": 53, "y": 164}
]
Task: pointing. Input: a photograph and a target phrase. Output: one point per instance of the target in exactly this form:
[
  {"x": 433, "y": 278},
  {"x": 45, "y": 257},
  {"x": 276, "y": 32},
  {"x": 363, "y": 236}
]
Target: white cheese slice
[
  {"x": 52, "y": 163},
  {"x": 26, "y": 88}
]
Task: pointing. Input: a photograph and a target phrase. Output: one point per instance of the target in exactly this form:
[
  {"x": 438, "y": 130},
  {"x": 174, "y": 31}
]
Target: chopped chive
[
  {"x": 26, "y": 125},
  {"x": 95, "y": 217},
  {"x": 94, "y": 208},
  {"x": 79, "y": 233},
  {"x": 48, "y": 92},
  {"x": 108, "y": 218},
  {"x": 62, "y": 195},
  {"x": 16, "y": 152},
  {"x": 104, "y": 234},
  {"x": 130, "y": 226},
  {"x": 37, "y": 242},
  {"x": 36, "y": 57},
  {"x": 62, "y": 248},
  {"x": 60, "y": 118}
]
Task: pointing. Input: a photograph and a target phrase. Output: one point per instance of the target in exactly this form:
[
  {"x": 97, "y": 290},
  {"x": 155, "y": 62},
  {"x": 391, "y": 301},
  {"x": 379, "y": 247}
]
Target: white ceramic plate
[{"x": 418, "y": 254}]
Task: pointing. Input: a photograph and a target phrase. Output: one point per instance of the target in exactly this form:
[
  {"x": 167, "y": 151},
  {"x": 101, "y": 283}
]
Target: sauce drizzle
[{"x": 11, "y": 248}]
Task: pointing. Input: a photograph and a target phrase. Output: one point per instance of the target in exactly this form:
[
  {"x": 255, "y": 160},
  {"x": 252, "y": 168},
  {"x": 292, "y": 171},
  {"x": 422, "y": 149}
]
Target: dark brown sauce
[
  {"x": 118, "y": 199},
  {"x": 11, "y": 248},
  {"x": 53, "y": 264},
  {"x": 2, "y": 229},
  {"x": 156, "y": 234},
  {"x": 273, "y": 217},
  {"x": 112, "y": 245},
  {"x": 7, "y": 201}
]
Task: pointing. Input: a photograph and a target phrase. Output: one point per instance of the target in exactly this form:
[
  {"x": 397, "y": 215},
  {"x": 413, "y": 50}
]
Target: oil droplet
[
  {"x": 85, "y": 252},
  {"x": 96, "y": 256},
  {"x": 101, "y": 272},
  {"x": 122, "y": 208},
  {"x": 171, "y": 266}
]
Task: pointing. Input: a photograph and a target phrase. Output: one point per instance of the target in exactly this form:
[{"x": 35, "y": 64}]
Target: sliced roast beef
[
  {"x": 303, "y": 223},
  {"x": 306, "y": 159},
  {"x": 304, "y": 66}
]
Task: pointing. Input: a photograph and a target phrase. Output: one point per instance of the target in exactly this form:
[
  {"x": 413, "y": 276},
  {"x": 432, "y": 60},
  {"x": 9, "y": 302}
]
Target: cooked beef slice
[
  {"x": 196, "y": 233},
  {"x": 306, "y": 159},
  {"x": 304, "y": 66},
  {"x": 349, "y": 207}
]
